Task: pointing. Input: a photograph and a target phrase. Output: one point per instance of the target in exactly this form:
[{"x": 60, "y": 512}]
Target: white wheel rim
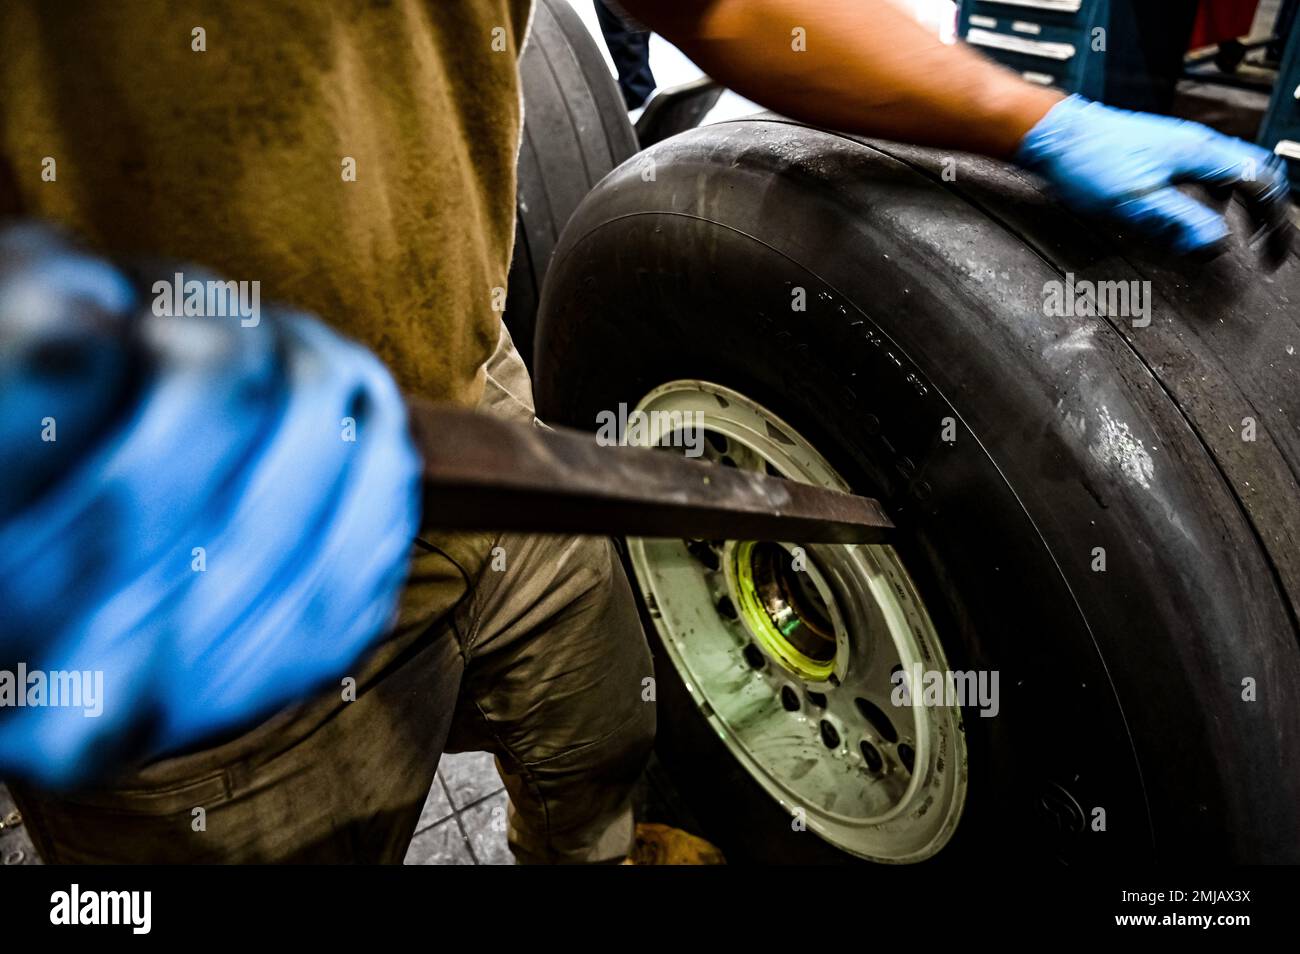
[{"x": 828, "y": 779}]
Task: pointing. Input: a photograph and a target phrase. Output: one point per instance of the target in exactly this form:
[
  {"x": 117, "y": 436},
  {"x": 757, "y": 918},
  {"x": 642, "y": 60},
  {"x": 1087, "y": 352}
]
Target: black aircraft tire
[
  {"x": 575, "y": 131},
  {"x": 1150, "y": 709}
]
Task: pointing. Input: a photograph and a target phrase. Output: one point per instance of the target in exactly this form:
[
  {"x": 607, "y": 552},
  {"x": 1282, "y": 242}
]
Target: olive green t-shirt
[{"x": 357, "y": 157}]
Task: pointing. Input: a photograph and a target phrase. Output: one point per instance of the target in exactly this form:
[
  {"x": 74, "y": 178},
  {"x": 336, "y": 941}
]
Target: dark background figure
[
  {"x": 629, "y": 45},
  {"x": 1282, "y": 29}
]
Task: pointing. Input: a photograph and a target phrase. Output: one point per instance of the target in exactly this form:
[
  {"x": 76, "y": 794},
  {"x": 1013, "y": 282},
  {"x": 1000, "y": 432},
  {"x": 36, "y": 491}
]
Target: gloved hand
[
  {"x": 63, "y": 357},
  {"x": 204, "y": 540},
  {"x": 1124, "y": 165}
]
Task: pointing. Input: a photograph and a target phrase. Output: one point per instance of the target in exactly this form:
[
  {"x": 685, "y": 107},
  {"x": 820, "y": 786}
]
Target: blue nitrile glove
[
  {"x": 1124, "y": 165},
  {"x": 61, "y": 355},
  {"x": 183, "y": 433}
]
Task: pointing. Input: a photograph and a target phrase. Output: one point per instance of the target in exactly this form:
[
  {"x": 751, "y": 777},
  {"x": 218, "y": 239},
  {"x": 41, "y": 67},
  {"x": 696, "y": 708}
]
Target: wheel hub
[{"x": 786, "y": 609}]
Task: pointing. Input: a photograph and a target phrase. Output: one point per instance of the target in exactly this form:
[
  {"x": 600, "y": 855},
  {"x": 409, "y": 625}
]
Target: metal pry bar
[{"x": 484, "y": 473}]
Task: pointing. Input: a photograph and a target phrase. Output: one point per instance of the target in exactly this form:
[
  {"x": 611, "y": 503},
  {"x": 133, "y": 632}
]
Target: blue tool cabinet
[{"x": 1052, "y": 42}]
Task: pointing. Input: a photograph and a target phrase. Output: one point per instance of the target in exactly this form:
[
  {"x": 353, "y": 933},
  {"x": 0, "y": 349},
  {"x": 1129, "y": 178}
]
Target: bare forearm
[{"x": 865, "y": 66}]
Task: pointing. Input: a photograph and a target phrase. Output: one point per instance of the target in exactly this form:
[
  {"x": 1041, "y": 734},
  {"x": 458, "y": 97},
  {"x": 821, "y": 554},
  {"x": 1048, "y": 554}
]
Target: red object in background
[{"x": 1219, "y": 20}]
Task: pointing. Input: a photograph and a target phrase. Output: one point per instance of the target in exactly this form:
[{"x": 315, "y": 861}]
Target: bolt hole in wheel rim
[{"x": 789, "y": 651}]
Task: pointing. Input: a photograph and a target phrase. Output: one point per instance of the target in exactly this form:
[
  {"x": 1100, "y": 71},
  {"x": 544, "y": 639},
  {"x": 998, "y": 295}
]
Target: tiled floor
[
  {"x": 15, "y": 844},
  {"x": 464, "y": 820}
]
